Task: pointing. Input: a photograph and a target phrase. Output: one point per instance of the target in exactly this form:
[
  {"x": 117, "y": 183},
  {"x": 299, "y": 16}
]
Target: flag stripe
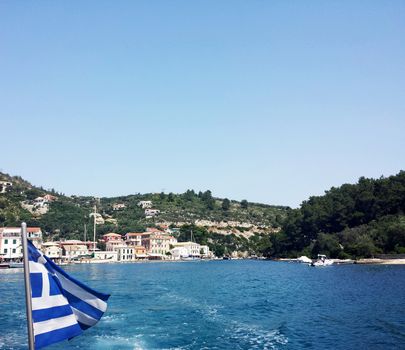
[
  {"x": 84, "y": 318},
  {"x": 54, "y": 323},
  {"x": 79, "y": 293},
  {"x": 58, "y": 335},
  {"x": 83, "y": 326},
  {"x": 82, "y": 306},
  {"x": 52, "y": 312},
  {"x": 36, "y": 283},
  {"x": 92, "y": 292},
  {"x": 51, "y": 301},
  {"x": 36, "y": 267}
]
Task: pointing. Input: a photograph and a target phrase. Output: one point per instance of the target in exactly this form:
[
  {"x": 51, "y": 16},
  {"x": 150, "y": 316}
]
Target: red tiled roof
[
  {"x": 29, "y": 229},
  {"x": 134, "y": 233}
]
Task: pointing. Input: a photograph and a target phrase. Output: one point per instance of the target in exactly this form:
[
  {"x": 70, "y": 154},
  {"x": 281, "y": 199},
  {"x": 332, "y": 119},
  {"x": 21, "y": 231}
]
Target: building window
[
  {"x": 14, "y": 241},
  {"x": 5, "y": 250},
  {"x": 6, "y": 241},
  {"x": 13, "y": 251}
]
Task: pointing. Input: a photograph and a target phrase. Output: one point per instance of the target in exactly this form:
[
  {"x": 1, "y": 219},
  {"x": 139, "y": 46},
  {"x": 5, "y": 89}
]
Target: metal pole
[
  {"x": 94, "y": 231},
  {"x": 28, "y": 301}
]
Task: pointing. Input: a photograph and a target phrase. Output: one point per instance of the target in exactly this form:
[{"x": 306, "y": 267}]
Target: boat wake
[
  {"x": 241, "y": 335},
  {"x": 104, "y": 342}
]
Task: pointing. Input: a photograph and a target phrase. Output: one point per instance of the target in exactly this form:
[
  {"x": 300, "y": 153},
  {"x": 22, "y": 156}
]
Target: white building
[
  {"x": 104, "y": 255},
  {"x": 193, "y": 249},
  {"x": 52, "y": 250},
  {"x": 125, "y": 253},
  {"x": 4, "y": 185},
  {"x": 74, "y": 249},
  {"x": 151, "y": 212},
  {"x": 205, "y": 251},
  {"x": 40, "y": 202},
  {"x": 10, "y": 241},
  {"x": 145, "y": 204},
  {"x": 119, "y": 206},
  {"x": 190, "y": 249},
  {"x": 179, "y": 253}
]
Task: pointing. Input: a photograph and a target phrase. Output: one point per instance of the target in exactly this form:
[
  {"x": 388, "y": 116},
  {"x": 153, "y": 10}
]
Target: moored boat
[
  {"x": 16, "y": 265},
  {"x": 322, "y": 261}
]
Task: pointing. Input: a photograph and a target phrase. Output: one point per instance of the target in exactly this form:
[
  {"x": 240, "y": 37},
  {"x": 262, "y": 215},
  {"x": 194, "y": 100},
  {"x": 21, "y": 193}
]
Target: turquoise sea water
[{"x": 230, "y": 305}]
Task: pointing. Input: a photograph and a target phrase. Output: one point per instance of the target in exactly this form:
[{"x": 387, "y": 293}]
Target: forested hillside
[
  {"x": 353, "y": 220},
  {"x": 65, "y": 217},
  {"x": 358, "y": 220}
]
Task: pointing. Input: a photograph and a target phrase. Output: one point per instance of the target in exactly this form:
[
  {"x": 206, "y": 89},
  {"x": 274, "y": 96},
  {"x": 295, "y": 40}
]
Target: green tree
[
  {"x": 226, "y": 204},
  {"x": 189, "y": 195},
  {"x": 206, "y": 196},
  {"x": 210, "y": 204},
  {"x": 326, "y": 244},
  {"x": 244, "y": 204}
]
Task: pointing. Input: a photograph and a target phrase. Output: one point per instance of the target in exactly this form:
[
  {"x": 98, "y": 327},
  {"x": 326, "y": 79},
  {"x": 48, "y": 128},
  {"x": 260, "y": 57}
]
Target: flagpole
[
  {"x": 28, "y": 301},
  {"x": 94, "y": 232}
]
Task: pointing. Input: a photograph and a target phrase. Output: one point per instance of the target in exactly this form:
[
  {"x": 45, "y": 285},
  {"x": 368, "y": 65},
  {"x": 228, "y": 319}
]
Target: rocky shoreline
[{"x": 369, "y": 261}]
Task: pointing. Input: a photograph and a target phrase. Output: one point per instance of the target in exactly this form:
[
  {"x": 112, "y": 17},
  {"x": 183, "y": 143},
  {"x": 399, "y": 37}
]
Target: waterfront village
[{"x": 154, "y": 244}]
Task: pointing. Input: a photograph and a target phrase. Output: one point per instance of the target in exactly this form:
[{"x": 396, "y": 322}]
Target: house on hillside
[
  {"x": 4, "y": 186},
  {"x": 145, "y": 204},
  {"x": 40, "y": 202},
  {"x": 151, "y": 212},
  {"x": 49, "y": 198},
  {"x": 118, "y": 206}
]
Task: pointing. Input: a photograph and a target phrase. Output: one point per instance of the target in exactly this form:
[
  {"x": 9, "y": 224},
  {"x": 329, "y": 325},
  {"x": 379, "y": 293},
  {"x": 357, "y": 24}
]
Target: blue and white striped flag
[{"x": 62, "y": 307}]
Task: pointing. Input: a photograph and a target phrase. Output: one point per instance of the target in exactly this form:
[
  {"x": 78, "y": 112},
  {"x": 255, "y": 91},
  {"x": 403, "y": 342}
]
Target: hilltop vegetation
[
  {"x": 190, "y": 206},
  {"x": 359, "y": 220}
]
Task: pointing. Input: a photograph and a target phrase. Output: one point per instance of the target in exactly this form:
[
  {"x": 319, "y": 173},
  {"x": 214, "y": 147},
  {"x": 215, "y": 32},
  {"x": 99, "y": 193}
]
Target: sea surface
[{"x": 229, "y": 305}]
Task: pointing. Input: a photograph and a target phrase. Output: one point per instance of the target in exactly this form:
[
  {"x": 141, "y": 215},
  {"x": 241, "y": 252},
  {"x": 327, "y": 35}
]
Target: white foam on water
[
  {"x": 203, "y": 308},
  {"x": 113, "y": 318},
  {"x": 11, "y": 341},
  {"x": 119, "y": 342},
  {"x": 19, "y": 315},
  {"x": 254, "y": 336}
]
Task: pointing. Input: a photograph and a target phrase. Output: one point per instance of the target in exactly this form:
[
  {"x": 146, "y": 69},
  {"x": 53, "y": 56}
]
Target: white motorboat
[
  {"x": 16, "y": 265},
  {"x": 322, "y": 261}
]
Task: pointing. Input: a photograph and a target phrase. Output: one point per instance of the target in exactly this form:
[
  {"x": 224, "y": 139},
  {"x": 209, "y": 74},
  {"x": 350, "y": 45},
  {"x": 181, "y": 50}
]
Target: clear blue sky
[{"x": 269, "y": 101}]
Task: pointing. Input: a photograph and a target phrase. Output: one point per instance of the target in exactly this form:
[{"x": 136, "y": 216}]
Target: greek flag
[{"x": 62, "y": 307}]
